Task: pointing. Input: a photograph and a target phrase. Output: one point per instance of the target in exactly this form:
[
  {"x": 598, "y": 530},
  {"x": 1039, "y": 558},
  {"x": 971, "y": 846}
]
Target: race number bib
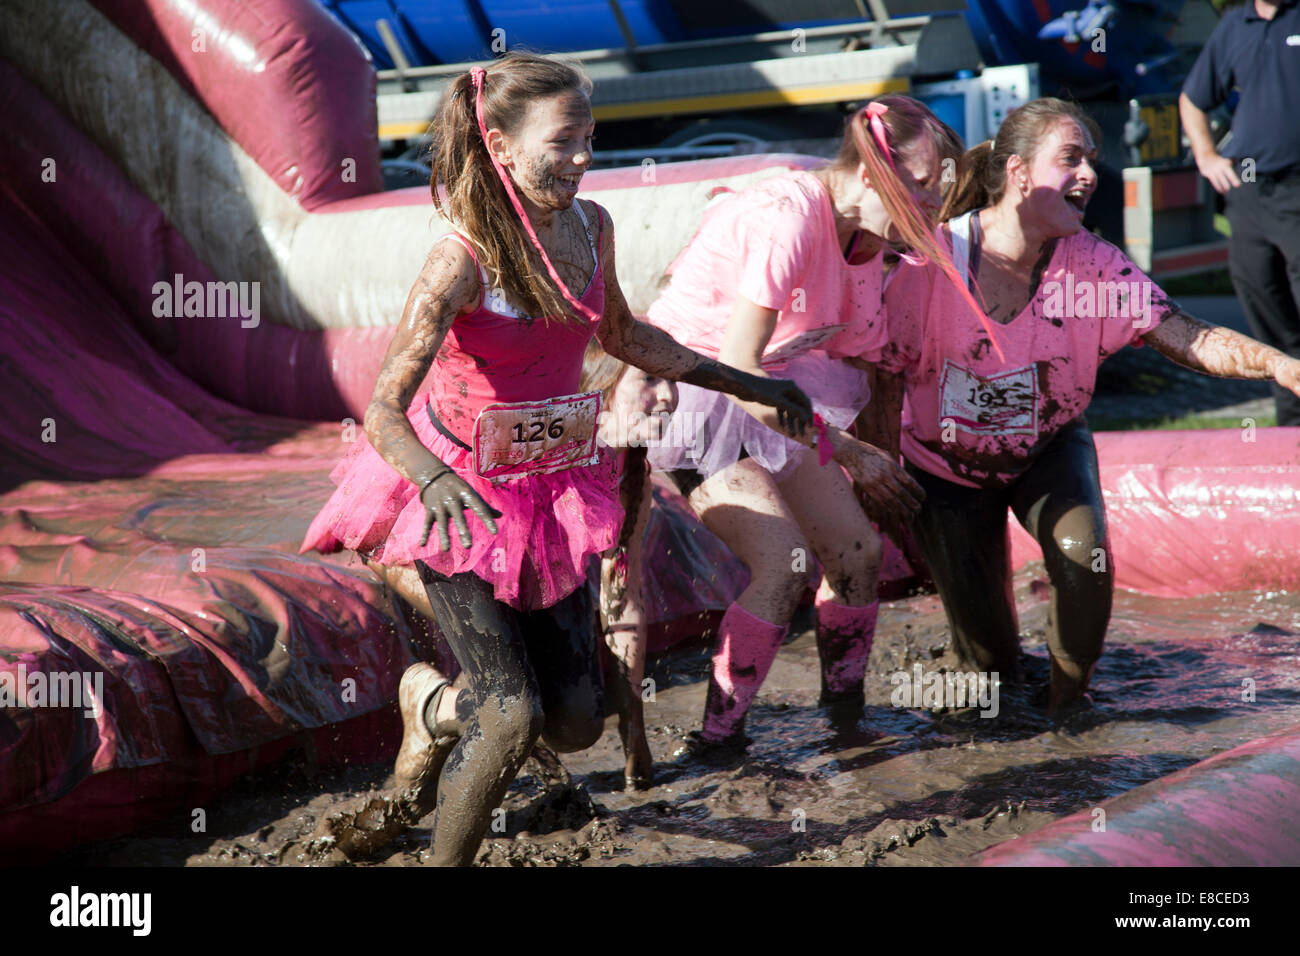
[
  {"x": 1003, "y": 404},
  {"x": 536, "y": 438}
]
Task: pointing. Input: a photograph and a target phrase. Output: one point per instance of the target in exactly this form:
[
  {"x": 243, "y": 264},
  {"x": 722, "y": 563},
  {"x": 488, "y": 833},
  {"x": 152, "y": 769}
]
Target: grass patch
[{"x": 1100, "y": 423}]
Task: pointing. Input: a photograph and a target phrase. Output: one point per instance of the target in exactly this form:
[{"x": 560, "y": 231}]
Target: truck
[{"x": 681, "y": 79}]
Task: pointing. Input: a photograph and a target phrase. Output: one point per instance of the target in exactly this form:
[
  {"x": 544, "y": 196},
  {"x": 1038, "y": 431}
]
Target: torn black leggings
[
  {"x": 529, "y": 674},
  {"x": 964, "y": 537}
]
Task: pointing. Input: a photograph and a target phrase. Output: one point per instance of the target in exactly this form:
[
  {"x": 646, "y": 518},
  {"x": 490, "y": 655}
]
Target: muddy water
[{"x": 897, "y": 787}]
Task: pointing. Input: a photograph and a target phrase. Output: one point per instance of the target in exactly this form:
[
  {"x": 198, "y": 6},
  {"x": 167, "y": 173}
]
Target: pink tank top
[{"x": 496, "y": 354}]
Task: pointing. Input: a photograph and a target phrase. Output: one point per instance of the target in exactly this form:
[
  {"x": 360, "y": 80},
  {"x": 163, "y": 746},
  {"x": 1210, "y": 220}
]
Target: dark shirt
[{"x": 1262, "y": 59}]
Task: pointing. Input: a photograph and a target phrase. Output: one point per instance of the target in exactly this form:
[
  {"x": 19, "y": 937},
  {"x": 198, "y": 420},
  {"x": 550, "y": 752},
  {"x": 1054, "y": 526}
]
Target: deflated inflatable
[{"x": 198, "y": 279}]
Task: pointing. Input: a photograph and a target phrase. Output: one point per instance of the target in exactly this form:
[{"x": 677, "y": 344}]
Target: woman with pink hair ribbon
[{"x": 786, "y": 278}]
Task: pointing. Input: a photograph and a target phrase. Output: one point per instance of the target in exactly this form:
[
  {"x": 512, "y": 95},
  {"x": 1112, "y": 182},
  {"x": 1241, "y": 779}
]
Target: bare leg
[
  {"x": 743, "y": 506},
  {"x": 623, "y": 681},
  {"x": 849, "y": 549},
  {"x": 831, "y": 517}
]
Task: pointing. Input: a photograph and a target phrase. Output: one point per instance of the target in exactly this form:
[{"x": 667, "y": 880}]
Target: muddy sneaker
[
  {"x": 728, "y": 750},
  {"x": 420, "y": 757}
]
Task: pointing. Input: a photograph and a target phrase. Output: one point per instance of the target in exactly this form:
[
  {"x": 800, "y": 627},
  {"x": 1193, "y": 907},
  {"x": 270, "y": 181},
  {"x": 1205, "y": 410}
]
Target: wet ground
[{"x": 896, "y": 787}]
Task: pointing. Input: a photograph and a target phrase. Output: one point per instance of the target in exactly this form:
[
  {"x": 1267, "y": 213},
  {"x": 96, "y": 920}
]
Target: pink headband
[{"x": 479, "y": 75}]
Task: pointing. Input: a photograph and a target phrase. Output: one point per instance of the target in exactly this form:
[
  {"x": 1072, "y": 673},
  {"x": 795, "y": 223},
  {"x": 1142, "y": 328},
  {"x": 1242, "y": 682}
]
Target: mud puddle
[{"x": 1180, "y": 681}]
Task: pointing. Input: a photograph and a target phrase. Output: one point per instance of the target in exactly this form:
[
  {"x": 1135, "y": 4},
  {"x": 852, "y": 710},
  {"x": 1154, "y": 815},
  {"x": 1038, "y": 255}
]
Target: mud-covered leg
[
  {"x": 744, "y": 508},
  {"x": 562, "y": 649},
  {"x": 1059, "y": 502},
  {"x": 963, "y": 536},
  {"x": 499, "y": 714},
  {"x": 849, "y": 550},
  {"x": 624, "y": 672}
]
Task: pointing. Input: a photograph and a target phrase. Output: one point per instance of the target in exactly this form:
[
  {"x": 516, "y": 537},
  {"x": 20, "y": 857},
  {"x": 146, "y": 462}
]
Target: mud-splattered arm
[
  {"x": 446, "y": 286},
  {"x": 641, "y": 344},
  {"x": 1218, "y": 351}
]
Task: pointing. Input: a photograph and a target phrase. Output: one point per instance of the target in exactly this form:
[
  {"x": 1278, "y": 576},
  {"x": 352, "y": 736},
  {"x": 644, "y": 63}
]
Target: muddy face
[{"x": 547, "y": 155}]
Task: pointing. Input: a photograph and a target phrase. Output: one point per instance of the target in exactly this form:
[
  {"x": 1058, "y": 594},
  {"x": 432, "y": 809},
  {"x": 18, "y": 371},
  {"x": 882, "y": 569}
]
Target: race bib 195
[
  {"x": 535, "y": 438},
  {"x": 1002, "y": 404}
]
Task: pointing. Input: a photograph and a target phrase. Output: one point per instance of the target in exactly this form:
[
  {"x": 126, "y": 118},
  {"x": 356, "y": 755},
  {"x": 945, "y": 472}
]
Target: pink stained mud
[
  {"x": 747, "y": 646},
  {"x": 1239, "y": 808}
]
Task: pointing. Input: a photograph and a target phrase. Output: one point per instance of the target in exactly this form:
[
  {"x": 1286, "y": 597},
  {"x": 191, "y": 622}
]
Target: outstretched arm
[
  {"x": 447, "y": 285},
  {"x": 642, "y": 345},
  {"x": 1218, "y": 351}
]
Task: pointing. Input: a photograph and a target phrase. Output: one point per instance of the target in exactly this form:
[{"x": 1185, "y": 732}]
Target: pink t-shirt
[
  {"x": 775, "y": 244},
  {"x": 978, "y": 420}
]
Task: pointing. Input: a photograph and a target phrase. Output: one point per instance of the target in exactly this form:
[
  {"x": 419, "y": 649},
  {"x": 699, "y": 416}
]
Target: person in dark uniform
[{"x": 1256, "y": 49}]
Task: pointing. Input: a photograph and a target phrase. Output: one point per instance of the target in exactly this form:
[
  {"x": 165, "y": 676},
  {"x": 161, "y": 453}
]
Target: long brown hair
[
  {"x": 601, "y": 372},
  {"x": 465, "y": 186},
  {"x": 905, "y": 121},
  {"x": 983, "y": 178}
]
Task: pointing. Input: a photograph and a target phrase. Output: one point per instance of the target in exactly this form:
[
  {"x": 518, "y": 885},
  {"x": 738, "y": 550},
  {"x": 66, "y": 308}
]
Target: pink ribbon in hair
[
  {"x": 873, "y": 113},
  {"x": 478, "y": 75}
]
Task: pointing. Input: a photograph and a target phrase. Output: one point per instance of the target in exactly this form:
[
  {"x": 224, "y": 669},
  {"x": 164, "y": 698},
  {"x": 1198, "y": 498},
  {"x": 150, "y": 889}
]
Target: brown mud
[{"x": 896, "y": 787}]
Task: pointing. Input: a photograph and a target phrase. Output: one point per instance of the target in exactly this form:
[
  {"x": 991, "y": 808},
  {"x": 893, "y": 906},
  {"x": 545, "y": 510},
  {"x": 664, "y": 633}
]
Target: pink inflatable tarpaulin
[
  {"x": 1240, "y": 808},
  {"x": 1197, "y": 512}
]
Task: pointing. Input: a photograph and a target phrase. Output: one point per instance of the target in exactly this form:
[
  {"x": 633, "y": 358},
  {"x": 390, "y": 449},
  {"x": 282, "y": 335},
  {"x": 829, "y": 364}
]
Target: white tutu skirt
[{"x": 708, "y": 430}]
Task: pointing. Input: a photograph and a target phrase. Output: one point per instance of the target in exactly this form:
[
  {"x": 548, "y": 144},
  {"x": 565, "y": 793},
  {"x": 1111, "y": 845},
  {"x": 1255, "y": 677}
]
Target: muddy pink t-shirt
[
  {"x": 978, "y": 420},
  {"x": 775, "y": 244}
]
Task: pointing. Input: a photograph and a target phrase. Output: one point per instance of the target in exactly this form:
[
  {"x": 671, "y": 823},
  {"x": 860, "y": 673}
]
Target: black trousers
[
  {"x": 964, "y": 537},
  {"x": 1264, "y": 260}
]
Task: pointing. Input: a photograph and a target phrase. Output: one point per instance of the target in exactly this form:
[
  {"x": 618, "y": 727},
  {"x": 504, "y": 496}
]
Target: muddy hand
[
  {"x": 892, "y": 490},
  {"x": 793, "y": 409},
  {"x": 448, "y": 497}
]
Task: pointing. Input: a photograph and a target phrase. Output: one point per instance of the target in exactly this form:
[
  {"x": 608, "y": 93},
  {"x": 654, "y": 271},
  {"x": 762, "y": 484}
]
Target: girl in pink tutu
[
  {"x": 503, "y": 434},
  {"x": 786, "y": 278},
  {"x": 638, "y": 404}
]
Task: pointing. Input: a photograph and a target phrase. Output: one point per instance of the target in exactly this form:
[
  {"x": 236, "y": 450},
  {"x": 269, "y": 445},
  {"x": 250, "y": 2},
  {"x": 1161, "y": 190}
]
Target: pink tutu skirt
[
  {"x": 550, "y": 526},
  {"x": 708, "y": 429}
]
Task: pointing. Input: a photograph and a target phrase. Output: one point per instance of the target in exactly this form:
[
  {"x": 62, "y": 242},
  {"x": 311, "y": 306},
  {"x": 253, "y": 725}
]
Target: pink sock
[
  {"x": 747, "y": 646},
  {"x": 844, "y": 636}
]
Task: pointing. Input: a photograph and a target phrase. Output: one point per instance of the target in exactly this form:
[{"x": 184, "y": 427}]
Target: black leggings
[
  {"x": 964, "y": 537},
  {"x": 530, "y": 674}
]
